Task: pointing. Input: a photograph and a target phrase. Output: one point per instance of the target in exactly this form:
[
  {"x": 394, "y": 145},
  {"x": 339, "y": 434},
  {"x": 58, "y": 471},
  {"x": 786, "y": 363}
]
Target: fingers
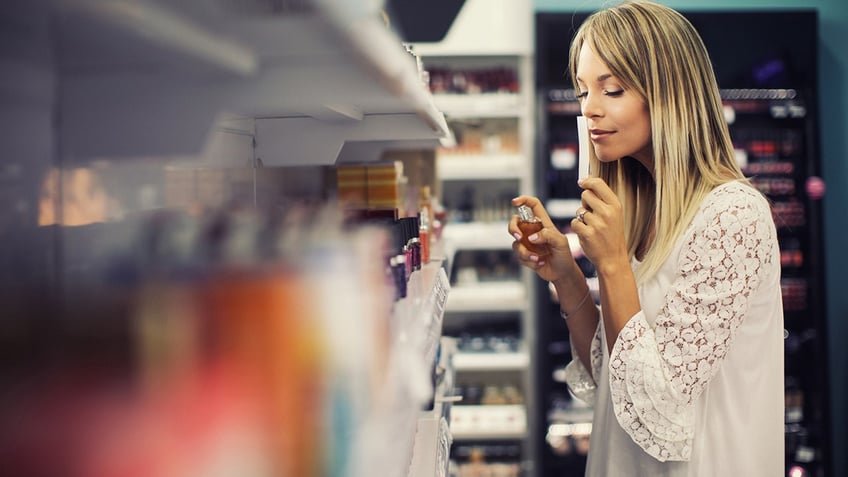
[
  {"x": 592, "y": 203},
  {"x": 599, "y": 200},
  {"x": 526, "y": 257},
  {"x": 599, "y": 189},
  {"x": 581, "y": 214},
  {"x": 536, "y": 205},
  {"x": 579, "y": 224},
  {"x": 512, "y": 227}
]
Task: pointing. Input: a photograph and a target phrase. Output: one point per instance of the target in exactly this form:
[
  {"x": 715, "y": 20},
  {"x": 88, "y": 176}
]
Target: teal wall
[{"x": 833, "y": 80}]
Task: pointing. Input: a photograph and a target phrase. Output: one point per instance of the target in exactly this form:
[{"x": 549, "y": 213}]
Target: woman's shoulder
[
  {"x": 733, "y": 204},
  {"x": 736, "y": 195},
  {"x": 733, "y": 218}
]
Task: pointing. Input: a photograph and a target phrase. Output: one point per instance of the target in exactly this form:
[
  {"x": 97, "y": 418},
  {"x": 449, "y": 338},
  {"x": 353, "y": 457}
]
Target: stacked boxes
[
  {"x": 352, "y": 185},
  {"x": 370, "y": 186}
]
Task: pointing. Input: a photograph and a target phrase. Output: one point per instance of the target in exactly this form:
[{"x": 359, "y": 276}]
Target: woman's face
[{"x": 618, "y": 119}]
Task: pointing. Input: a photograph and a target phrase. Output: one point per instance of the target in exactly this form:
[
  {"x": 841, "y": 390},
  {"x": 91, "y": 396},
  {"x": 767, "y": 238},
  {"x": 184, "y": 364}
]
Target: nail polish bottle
[
  {"x": 398, "y": 263},
  {"x": 415, "y": 242},
  {"x": 412, "y": 243},
  {"x": 529, "y": 224}
]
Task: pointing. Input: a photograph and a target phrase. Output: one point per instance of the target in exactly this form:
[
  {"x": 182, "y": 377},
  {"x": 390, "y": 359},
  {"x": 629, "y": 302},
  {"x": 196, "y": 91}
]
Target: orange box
[
  {"x": 352, "y": 186},
  {"x": 383, "y": 180}
]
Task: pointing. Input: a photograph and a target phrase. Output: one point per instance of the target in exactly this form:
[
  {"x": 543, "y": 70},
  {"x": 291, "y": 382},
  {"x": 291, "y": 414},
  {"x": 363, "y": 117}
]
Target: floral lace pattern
[
  {"x": 656, "y": 374},
  {"x": 580, "y": 380}
]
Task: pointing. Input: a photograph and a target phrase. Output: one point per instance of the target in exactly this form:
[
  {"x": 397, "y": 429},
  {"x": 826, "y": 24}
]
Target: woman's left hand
[{"x": 600, "y": 226}]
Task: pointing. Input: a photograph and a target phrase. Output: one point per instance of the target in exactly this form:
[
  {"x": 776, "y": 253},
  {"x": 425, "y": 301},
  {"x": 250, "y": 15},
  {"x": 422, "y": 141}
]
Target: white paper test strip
[{"x": 583, "y": 142}]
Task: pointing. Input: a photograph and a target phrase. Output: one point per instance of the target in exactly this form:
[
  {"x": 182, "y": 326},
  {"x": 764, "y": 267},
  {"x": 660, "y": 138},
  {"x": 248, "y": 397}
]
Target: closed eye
[{"x": 613, "y": 94}]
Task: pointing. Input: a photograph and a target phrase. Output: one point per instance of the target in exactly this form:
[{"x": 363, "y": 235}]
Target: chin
[{"x": 605, "y": 158}]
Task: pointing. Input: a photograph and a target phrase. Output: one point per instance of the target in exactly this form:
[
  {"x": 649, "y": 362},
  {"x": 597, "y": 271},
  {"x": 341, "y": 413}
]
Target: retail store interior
[{"x": 269, "y": 238}]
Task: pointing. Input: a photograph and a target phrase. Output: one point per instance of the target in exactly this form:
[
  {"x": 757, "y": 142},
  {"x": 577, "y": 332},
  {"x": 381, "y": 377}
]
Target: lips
[{"x": 598, "y": 134}]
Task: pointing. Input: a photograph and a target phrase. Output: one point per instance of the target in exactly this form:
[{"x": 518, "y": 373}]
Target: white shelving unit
[
  {"x": 145, "y": 77},
  {"x": 219, "y": 82},
  {"x": 517, "y": 361},
  {"x": 418, "y": 340},
  {"x": 433, "y": 437},
  {"x": 481, "y": 166},
  {"x": 482, "y": 235},
  {"x": 489, "y": 422},
  {"x": 484, "y": 105},
  {"x": 490, "y": 296},
  {"x": 488, "y": 35}
]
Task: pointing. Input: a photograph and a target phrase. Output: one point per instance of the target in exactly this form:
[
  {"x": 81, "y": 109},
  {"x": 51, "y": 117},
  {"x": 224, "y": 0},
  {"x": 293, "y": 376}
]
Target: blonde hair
[{"x": 658, "y": 54}]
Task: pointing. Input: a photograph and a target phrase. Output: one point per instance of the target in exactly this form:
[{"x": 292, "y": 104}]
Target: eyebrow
[{"x": 599, "y": 79}]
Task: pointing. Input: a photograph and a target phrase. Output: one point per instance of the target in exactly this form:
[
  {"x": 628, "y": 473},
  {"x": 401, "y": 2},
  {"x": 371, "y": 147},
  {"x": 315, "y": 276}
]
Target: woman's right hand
[{"x": 558, "y": 261}]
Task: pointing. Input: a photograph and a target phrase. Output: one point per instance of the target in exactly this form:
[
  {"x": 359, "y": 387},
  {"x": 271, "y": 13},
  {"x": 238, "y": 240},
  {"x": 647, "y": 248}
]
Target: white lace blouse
[{"x": 694, "y": 383}]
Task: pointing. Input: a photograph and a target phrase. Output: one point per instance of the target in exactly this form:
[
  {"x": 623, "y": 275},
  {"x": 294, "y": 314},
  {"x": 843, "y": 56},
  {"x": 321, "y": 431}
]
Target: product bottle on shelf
[{"x": 425, "y": 213}]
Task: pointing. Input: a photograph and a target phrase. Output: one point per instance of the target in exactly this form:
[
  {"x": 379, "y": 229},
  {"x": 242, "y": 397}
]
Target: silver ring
[{"x": 580, "y": 216}]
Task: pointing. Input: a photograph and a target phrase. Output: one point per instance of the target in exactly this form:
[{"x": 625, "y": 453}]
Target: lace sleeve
[
  {"x": 656, "y": 374},
  {"x": 581, "y": 381}
]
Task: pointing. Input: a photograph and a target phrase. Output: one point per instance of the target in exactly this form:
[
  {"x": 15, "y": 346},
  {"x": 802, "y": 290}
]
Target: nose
[{"x": 590, "y": 107}]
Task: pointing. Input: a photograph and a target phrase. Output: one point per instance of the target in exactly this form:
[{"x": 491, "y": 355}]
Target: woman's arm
[
  {"x": 559, "y": 268},
  {"x": 576, "y": 303},
  {"x": 601, "y": 233}
]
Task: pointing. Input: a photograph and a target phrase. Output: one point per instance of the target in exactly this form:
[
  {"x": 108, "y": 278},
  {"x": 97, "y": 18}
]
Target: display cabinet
[
  {"x": 171, "y": 240},
  {"x": 768, "y": 89},
  {"x": 481, "y": 76}
]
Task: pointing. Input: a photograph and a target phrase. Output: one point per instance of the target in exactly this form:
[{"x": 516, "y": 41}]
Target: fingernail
[
  {"x": 533, "y": 237},
  {"x": 534, "y": 258},
  {"x": 542, "y": 263},
  {"x": 517, "y": 236}
]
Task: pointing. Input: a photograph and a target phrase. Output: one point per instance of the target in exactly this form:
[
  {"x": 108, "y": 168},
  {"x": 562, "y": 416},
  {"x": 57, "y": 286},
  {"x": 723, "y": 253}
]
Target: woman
[{"x": 683, "y": 360}]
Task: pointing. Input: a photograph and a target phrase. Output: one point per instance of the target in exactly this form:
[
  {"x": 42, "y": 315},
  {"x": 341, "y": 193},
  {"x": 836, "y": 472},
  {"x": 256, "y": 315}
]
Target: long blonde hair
[{"x": 657, "y": 53}]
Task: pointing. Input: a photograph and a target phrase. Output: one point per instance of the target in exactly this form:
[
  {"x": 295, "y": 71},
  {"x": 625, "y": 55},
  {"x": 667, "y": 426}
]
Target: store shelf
[
  {"x": 326, "y": 65},
  {"x": 575, "y": 414},
  {"x": 487, "y": 105},
  {"x": 89, "y": 82},
  {"x": 482, "y": 166},
  {"x": 491, "y": 361},
  {"x": 473, "y": 31},
  {"x": 478, "y": 422},
  {"x": 432, "y": 436},
  {"x": 562, "y": 208},
  {"x": 477, "y": 236},
  {"x": 419, "y": 315},
  {"x": 488, "y": 296},
  {"x": 483, "y": 82},
  {"x": 408, "y": 437},
  {"x": 432, "y": 447}
]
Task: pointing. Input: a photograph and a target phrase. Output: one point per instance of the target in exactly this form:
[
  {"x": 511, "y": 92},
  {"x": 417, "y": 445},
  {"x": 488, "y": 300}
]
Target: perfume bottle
[
  {"x": 529, "y": 224},
  {"x": 425, "y": 214}
]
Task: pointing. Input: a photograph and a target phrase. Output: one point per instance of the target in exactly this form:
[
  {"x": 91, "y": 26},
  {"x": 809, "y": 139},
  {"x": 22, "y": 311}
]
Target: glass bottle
[
  {"x": 529, "y": 224},
  {"x": 425, "y": 214}
]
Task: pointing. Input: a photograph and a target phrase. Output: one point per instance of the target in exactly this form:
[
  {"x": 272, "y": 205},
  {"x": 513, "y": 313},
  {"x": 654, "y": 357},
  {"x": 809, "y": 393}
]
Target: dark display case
[{"x": 765, "y": 62}]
